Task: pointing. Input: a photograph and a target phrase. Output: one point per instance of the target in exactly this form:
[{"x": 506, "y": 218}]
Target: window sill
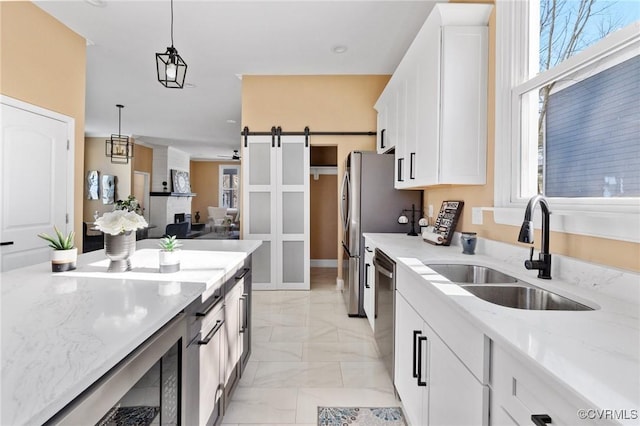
[{"x": 611, "y": 225}]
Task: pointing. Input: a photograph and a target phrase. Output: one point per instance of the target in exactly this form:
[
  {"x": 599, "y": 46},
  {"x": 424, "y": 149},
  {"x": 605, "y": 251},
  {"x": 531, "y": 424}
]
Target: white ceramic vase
[
  {"x": 169, "y": 261},
  {"x": 64, "y": 260}
]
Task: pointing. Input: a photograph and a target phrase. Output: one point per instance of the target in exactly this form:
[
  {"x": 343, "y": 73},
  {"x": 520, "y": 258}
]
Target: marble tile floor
[{"x": 307, "y": 353}]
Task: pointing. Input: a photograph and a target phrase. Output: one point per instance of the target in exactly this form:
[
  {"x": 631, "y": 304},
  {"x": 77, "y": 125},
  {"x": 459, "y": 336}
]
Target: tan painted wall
[
  {"x": 324, "y": 222},
  {"x": 619, "y": 254},
  {"x": 324, "y": 103},
  {"x": 204, "y": 177},
  {"x": 94, "y": 159},
  {"x": 43, "y": 62},
  {"x": 143, "y": 160}
]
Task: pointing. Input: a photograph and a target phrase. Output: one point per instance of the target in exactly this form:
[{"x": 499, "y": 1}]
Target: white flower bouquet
[{"x": 125, "y": 218}]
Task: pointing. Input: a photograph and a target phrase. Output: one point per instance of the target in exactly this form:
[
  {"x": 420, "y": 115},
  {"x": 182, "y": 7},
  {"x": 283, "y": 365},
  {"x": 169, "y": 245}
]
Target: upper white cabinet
[
  {"x": 439, "y": 130},
  {"x": 275, "y": 195}
]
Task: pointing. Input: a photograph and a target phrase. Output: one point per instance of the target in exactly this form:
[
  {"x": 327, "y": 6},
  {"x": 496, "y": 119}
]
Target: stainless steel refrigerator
[{"x": 369, "y": 203}]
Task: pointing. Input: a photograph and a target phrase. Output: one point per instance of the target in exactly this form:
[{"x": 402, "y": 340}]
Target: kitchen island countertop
[{"x": 61, "y": 332}]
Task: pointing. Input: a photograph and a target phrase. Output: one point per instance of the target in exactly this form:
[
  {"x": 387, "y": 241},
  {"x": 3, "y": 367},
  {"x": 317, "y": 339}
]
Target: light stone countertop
[
  {"x": 594, "y": 354},
  {"x": 61, "y": 332}
]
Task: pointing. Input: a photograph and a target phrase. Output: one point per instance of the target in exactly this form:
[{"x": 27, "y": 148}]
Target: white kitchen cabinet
[
  {"x": 387, "y": 108},
  {"x": 369, "y": 298},
  {"x": 441, "y": 91},
  {"x": 413, "y": 391},
  {"x": 232, "y": 328},
  {"x": 435, "y": 386},
  {"x": 518, "y": 392},
  {"x": 276, "y": 210}
]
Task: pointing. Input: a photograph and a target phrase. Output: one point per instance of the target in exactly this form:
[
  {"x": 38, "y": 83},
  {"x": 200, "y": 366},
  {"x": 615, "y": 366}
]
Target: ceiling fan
[{"x": 234, "y": 157}]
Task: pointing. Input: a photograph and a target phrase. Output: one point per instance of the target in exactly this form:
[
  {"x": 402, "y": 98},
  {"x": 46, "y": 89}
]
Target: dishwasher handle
[{"x": 384, "y": 271}]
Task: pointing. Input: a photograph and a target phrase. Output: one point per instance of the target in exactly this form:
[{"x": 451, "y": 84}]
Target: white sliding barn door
[
  {"x": 36, "y": 181},
  {"x": 275, "y": 183}
]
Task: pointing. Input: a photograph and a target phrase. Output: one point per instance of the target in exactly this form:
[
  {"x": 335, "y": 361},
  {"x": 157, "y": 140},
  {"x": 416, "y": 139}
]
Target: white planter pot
[
  {"x": 169, "y": 261},
  {"x": 64, "y": 260}
]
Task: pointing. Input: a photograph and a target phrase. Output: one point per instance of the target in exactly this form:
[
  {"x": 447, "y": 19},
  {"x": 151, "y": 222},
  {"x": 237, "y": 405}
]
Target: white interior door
[
  {"x": 259, "y": 208},
  {"x": 293, "y": 214},
  {"x": 36, "y": 181}
]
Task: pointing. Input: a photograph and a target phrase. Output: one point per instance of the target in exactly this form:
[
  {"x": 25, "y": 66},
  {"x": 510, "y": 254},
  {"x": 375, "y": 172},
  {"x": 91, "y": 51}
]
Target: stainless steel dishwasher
[{"x": 385, "y": 285}]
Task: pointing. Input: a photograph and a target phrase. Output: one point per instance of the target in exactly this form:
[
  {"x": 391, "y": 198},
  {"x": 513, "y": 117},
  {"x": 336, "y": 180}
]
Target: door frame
[{"x": 70, "y": 122}]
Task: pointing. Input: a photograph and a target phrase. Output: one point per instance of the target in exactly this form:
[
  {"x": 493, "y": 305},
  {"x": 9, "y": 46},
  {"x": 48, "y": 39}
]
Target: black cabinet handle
[
  {"x": 366, "y": 275},
  {"x": 412, "y": 169},
  {"x": 243, "y": 322},
  {"x": 242, "y": 274},
  {"x": 382, "y": 132},
  {"x": 208, "y": 309},
  {"x": 212, "y": 333},
  {"x": 367, "y": 248},
  {"x": 415, "y": 365},
  {"x": 6, "y": 243},
  {"x": 541, "y": 419},
  {"x": 400, "y": 174},
  {"x": 420, "y": 381}
]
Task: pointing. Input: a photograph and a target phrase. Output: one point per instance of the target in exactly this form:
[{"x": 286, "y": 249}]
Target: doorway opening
[{"x": 324, "y": 211}]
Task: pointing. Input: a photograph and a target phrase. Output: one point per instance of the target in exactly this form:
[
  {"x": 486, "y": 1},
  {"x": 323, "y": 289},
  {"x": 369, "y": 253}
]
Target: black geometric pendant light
[
  {"x": 171, "y": 67},
  {"x": 118, "y": 147}
]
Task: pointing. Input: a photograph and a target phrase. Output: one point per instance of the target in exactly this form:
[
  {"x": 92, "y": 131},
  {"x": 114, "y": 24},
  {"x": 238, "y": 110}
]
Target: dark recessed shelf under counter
[{"x": 172, "y": 194}]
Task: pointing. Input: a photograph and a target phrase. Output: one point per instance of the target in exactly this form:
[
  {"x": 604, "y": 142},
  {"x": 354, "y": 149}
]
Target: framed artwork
[
  {"x": 108, "y": 189},
  {"x": 93, "y": 185},
  {"x": 180, "y": 181}
]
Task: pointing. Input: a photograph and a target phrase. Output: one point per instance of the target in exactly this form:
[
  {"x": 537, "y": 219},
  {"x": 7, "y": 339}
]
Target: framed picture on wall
[
  {"x": 93, "y": 185},
  {"x": 180, "y": 181},
  {"x": 108, "y": 189}
]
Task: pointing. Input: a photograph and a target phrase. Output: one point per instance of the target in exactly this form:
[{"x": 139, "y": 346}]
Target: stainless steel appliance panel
[
  {"x": 385, "y": 285},
  {"x": 369, "y": 203}
]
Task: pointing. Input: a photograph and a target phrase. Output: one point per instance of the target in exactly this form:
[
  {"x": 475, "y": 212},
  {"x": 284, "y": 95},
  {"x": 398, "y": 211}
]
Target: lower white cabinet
[
  {"x": 434, "y": 385},
  {"x": 369, "y": 298},
  {"x": 233, "y": 329},
  {"x": 518, "y": 393}
]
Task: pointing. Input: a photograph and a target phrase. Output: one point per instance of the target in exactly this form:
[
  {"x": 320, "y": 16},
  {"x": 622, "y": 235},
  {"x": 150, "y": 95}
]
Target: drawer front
[{"x": 520, "y": 392}]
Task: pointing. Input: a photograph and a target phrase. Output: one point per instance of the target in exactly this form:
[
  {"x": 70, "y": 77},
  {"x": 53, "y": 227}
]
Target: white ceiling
[{"x": 220, "y": 41}]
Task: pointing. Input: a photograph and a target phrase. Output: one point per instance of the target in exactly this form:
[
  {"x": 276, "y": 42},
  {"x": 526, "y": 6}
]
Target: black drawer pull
[
  {"x": 412, "y": 169},
  {"x": 382, "y": 132},
  {"x": 212, "y": 333},
  {"x": 400, "y": 172},
  {"x": 541, "y": 419},
  {"x": 6, "y": 243},
  {"x": 208, "y": 309},
  {"x": 244, "y": 272},
  {"x": 366, "y": 275},
  {"x": 420, "y": 381},
  {"x": 415, "y": 335}
]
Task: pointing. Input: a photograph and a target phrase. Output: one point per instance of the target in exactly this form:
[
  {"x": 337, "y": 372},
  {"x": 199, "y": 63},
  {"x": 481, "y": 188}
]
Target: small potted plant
[
  {"x": 169, "y": 254},
  {"x": 64, "y": 254}
]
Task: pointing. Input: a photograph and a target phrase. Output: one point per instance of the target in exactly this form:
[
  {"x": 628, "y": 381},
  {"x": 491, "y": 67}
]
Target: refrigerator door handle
[
  {"x": 346, "y": 216},
  {"x": 346, "y": 249}
]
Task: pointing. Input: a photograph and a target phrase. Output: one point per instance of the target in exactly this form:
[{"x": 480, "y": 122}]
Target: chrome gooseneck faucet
[{"x": 543, "y": 264}]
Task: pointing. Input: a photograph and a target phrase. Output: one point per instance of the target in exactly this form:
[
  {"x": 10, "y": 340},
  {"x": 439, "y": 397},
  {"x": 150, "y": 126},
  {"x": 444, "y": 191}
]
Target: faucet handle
[{"x": 530, "y": 264}]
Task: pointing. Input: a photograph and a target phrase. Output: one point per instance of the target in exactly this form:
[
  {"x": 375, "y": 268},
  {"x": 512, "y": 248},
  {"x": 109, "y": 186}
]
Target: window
[
  {"x": 567, "y": 109},
  {"x": 229, "y": 185}
]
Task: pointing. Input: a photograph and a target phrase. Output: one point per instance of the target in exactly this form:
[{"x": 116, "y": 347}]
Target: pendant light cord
[{"x": 171, "y": 23}]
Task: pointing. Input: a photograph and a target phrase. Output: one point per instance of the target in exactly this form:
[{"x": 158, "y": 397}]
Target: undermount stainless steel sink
[
  {"x": 525, "y": 297},
  {"x": 472, "y": 274},
  {"x": 503, "y": 289}
]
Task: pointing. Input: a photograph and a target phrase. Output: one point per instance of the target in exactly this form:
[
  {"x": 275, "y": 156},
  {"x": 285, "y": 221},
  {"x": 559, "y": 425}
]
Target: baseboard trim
[{"x": 323, "y": 263}]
